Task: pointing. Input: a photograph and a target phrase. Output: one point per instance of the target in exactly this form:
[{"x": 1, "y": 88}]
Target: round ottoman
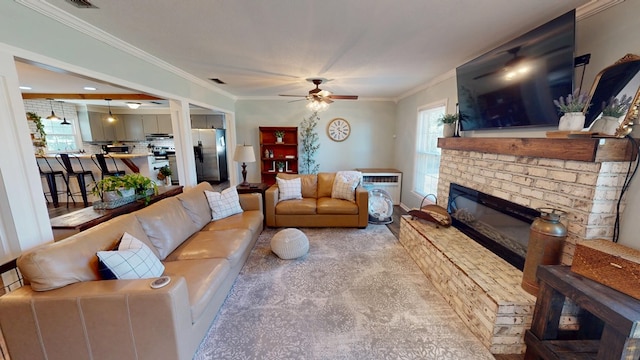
[{"x": 289, "y": 244}]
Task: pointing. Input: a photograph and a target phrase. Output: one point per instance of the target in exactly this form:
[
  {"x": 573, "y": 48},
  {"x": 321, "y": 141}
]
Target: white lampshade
[{"x": 244, "y": 153}]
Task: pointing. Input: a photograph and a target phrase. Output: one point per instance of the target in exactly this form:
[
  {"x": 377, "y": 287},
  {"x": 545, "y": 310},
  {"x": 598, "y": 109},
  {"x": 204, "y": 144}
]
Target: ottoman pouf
[{"x": 289, "y": 244}]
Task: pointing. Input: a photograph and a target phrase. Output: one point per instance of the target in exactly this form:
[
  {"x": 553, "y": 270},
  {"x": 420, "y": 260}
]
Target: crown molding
[
  {"x": 63, "y": 17},
  {"x": 593, "y": 7}
]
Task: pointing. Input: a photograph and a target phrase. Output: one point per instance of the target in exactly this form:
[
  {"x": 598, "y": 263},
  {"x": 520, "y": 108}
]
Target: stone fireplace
[{"x": 582, "y": 177}]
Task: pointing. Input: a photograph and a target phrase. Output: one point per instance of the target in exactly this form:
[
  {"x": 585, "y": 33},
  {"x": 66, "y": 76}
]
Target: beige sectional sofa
[
  {"x": 68, "y": 312},
  {"x": 316, "y": 208}
]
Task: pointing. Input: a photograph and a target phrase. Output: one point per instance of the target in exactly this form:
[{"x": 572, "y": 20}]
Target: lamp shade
[{"x": 244, "y": 153}]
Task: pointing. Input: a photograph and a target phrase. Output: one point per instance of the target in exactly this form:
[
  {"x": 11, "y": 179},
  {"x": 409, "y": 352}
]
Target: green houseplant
[
  {"x": 280, "y": 165},
  {"x": 449, "y": 123},
  {"x": 616, "y": 108},
  {"x": 279, "y": 135},
  {"x": 41, "y": 141},
  {"x": 309, "y": 140},
  {"x": 141, "y": 185}
]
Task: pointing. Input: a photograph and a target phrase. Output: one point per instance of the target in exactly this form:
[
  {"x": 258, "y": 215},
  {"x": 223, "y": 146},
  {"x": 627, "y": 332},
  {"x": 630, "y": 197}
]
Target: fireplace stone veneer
[{"x": 483, "y": 289}]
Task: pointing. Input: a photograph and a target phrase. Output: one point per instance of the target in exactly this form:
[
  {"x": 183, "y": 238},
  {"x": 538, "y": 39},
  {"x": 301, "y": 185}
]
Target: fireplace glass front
[{"x": 497, "y": 224}]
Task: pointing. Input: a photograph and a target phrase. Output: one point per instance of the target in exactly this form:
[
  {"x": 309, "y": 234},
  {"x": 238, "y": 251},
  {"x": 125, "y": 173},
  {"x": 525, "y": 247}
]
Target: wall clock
[{"x": 338, "y": 129}]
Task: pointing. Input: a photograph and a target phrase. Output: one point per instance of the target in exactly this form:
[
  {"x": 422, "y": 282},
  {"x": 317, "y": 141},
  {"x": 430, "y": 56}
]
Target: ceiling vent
[
  {"x": 156, "y": 102},
  {"x": 83, "y": 4},
  {"x": 218, "y": 81}
]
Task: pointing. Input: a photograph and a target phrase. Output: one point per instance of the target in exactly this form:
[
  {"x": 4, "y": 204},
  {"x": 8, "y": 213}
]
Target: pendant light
[
  {"x": 111, "y": 118},
  {"x": 64, "y": 115},
  {"x": 53, "y": 115}
]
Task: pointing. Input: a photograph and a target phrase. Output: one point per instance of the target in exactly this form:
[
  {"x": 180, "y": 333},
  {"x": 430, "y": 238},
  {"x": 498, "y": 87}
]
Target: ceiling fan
[{"x": 320, "y": 95}]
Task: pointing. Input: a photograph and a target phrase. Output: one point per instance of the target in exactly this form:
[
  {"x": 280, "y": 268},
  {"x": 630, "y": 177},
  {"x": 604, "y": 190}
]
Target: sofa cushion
[
  {"x": 250, "y": 220},
  {"x": 54, "y": 265},
  {"x": 203, "y": 277},
  {"x": 223, "y": 204},
  {"x": 309, "y": 183},
  {"x": 325, "y": 184},
  {"x": 167, "y": 225},
  {"x": 344, "y": 185},
  {"x": 336, "y": 207},
  {"x": 306, "y": 206},
  {"x": 226, "y": 244},
  {"x": 196, "y": 204},
  {"x": 289, "y": 189},
  {"x": 132, "y": 260}
]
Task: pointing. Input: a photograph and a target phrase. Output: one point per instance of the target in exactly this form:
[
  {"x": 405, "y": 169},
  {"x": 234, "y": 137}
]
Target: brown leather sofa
[
  {"x": 316, "y": 208},
  {"x": 68, "y": 312}
]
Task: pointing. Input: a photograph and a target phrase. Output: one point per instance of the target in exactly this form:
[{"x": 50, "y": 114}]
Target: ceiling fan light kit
[{"x": 319, "y": 99}]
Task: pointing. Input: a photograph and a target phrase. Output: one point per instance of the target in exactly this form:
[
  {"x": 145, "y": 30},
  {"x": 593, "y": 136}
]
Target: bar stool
[
  {"x": 50, "y": 175},
  {"x": 65, "y": 161},
  {"x": 101, "y": 162}
]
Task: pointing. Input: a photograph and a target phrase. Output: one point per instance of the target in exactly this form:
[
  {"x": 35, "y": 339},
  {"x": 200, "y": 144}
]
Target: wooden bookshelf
[{"x": 273, "y": 152}]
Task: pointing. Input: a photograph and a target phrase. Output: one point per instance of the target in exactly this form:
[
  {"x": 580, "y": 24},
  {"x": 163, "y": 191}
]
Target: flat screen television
[{"x": 515, "y": 84}]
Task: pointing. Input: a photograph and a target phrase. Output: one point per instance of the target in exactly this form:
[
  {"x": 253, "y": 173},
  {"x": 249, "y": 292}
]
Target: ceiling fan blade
[
  {"x": 296, "y": 100},
  {"x": 343, "y": 97}
]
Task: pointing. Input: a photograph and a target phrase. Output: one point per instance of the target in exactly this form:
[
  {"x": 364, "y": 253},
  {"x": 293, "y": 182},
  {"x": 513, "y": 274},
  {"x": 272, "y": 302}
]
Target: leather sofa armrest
[
  {"x": 251, "y": 201},
  {"x": 362, "y": 200},
  {"x": 87, "y": 318},
  {"x": 271, "y": 200}
]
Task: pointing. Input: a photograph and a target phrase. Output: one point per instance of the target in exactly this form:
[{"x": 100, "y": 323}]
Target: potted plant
[
  {"x": 448, "y": 122},
  {"x": 165, "y": 174},
  {"x": 611, "y": 113},
  {"x": 40, "y": 142},
  {"x": 279, "y": 135},
  {"x": 280, "y": 166},
  {"x": 572, "y": 107},
  {"x": 113, "y": 188}
]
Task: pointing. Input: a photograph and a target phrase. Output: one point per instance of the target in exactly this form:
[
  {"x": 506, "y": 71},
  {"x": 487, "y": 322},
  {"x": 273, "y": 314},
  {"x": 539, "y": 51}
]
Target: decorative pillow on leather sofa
[
  {"x": 289, "y": 189},
  {"x": 223, "y": 204},
  {"x": 132, "y": 260},
  {"x": 344, "y": 185}
]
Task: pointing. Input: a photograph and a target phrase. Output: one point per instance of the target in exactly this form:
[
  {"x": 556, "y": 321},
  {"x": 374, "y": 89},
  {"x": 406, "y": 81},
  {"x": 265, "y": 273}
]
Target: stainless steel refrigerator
[{"x": 210, "y": 151}]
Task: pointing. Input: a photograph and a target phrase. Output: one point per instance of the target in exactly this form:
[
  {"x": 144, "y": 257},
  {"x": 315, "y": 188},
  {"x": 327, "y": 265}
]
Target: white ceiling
[{"x": 377, "y": 49}]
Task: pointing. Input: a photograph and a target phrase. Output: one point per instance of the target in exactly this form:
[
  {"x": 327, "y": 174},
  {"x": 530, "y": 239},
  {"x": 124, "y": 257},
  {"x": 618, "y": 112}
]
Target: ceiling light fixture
[
  {"x": 317, "y": 105},
  {"x": 111, "y": 118},
  {"x": 64, "y": 115},
  {"x": 90, "y": 88},
  {"x": 53, "y": 115},
  {"x": 133, "y": 105},
  {"x": 24, "y": 87}
]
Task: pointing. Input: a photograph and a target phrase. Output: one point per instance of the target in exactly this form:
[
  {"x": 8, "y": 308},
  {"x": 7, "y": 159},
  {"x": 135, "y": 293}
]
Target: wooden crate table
[{"x": 609, "y": 329}]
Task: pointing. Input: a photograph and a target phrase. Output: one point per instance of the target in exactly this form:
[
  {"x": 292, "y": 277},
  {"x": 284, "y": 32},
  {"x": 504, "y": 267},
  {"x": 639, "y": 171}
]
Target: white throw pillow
[
  {"x": 289, "y": 189},
  {"x": 344, "y": 185},
  {"x": 223, "y": 204},
  {"x": 132, "y": 260}
]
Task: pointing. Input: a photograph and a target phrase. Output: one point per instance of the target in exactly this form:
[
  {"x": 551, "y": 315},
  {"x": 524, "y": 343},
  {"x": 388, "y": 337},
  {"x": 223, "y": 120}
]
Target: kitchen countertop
[{"x": 88, "y": 156}]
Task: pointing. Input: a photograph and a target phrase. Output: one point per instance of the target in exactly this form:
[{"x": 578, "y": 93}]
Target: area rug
[{"x": 357, "y": 294}]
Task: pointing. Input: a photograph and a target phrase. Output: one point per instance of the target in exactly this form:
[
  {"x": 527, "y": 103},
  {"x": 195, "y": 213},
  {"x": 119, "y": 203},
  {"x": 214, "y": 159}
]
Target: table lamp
[{"x": 244, "y": 154}]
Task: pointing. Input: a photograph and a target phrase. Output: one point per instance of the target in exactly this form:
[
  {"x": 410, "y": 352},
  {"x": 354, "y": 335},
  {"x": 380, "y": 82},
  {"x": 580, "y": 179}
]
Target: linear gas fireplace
[{"x": 497, "y": 224}]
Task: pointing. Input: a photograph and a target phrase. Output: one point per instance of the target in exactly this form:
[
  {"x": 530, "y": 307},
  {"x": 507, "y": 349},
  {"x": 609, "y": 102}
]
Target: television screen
[{"x": 515, "y": 84}]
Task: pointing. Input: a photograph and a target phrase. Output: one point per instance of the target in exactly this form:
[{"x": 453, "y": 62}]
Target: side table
[
  {"x": 255, "y": 188},
  {"x": 608, "y": 329}
]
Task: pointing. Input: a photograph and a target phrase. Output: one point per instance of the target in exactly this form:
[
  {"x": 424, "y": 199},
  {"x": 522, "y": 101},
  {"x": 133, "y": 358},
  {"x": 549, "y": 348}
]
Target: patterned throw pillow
[
  {"x": 344, "y": 185},
  {"x": 132, "y": 260},
  {"x": 223, "y": 204},
  {"x": 289, "y": 189}
]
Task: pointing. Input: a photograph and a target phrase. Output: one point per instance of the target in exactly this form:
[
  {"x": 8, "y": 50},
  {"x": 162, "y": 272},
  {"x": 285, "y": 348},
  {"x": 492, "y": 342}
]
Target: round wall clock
[{"x": 338, "y": 129}]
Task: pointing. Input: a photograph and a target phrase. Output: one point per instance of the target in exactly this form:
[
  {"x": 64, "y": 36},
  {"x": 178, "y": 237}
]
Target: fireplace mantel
[{"x": 587, "y": 149}]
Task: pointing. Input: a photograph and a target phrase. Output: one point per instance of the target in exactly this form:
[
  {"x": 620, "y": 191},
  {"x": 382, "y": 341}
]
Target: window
[
  {"x": 59, "y": 137},
  {"x": 427, "y": 161}
]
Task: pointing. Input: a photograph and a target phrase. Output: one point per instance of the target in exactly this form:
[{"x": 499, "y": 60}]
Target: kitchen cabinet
[
  {"x": 133, "y": 129},
  {"x": 164, "y": 124},
  {"x": 207, "y": 121}
]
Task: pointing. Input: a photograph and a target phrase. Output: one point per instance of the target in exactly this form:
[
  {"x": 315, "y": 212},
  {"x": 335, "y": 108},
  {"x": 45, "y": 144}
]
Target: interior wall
[
  {"x": 370, "y": 145},
  {"x": 607, "y": 35}
]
